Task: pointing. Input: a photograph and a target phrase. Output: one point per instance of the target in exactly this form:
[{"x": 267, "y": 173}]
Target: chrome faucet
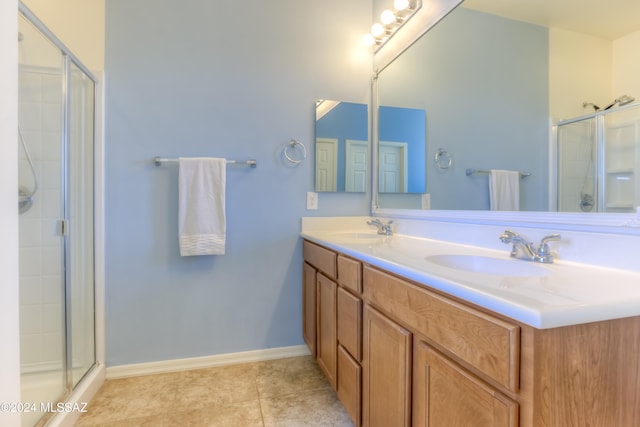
[
  {"x": 525, "y": 250},
  {"x": 382, "y": 227}
]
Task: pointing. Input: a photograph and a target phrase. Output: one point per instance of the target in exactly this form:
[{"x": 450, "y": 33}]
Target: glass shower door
[
  {"x": 56, "y": 173},
  {"x": 80, "y": 204},
  {"x": 577, "y": 166},
  {"x": 41, "y": 166}
]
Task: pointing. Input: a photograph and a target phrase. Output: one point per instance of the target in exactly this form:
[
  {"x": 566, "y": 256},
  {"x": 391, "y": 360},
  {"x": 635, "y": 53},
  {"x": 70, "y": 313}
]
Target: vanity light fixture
[
  {"x": 378, "y": 30},
  {"x": 401, "y": 4},
  {"x": 391, "y": 21},
  {"x": 388, "y": 17}
]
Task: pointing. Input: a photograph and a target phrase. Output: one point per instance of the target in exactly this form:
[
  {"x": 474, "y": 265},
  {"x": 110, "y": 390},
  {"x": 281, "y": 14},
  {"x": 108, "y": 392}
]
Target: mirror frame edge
[{"x": 428, "y": 16}]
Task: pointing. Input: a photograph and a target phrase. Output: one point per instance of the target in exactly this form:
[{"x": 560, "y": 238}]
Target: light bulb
[
  {"x": 377, "y": 29},
  {"x": 387, "y": 17},
  {"x": 401, "y": 4},
  {"x": 368, "y": 40}
]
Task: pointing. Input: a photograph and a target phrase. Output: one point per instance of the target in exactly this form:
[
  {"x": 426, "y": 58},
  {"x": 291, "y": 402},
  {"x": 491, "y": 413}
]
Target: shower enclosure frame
[
  {"x": 600, "y": 169},
  {"x": 93, "y": 376}
]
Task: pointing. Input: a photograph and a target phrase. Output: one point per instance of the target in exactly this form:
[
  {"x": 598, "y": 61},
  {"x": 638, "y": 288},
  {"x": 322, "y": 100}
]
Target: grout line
[{"x": 255, "y": 382}]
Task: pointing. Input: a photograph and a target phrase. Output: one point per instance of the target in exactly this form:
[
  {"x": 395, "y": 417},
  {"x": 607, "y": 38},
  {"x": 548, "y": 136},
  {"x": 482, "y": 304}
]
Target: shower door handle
[{"x": 62, "y": 227}]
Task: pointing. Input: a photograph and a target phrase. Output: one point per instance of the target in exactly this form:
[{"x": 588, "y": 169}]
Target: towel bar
[
  {"x": 253, "y": 163},
  {"x": 470, "y": 172}
]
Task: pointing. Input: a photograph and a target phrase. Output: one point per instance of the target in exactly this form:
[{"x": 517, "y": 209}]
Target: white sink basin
[{"x": 489, "y": 265}]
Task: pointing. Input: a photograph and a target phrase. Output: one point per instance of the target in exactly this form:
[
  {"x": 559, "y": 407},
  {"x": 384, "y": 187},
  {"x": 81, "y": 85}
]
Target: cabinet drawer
[
  {"x": 321, "y": 258},
  {"x": 350, "y": 385},
  {"x": 489, "y": 344},
  {"x": 350, "y": 322},
  {"x": 350, "y": 273}
]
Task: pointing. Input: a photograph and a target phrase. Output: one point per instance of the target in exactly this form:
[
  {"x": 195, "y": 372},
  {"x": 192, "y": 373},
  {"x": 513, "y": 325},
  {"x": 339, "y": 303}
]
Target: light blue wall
[
  {"x": 221, "y": 79},
  {"x": 483, "y": 82}
]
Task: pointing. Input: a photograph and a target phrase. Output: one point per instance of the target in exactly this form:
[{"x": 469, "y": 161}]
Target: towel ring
[
  {"x": 442, "y": 159},
  {"x": 291, "y": 147}
]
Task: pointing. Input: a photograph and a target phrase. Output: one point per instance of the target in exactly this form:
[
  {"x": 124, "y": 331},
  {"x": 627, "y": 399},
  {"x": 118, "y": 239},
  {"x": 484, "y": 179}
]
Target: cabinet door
[
  {"x": 349, "y": 384},
  {"x": 387, "y": 372},
  {"x": 309, "y": 307},
  {"x": 445, "y": 395},
  {"x": 327, "y": 350}
]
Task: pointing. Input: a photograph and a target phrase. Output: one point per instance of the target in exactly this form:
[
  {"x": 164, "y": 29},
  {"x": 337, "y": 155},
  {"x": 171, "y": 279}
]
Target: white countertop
[{"x": 558, "y": 294}]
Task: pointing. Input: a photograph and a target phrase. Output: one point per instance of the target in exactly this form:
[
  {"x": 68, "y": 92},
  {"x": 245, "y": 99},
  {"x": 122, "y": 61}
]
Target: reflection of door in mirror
[
  {"x": 326, "y": 164},
  {"x": 357, "y": 159},
  {"x": 402, "y": 150},
  {"x": 392, "y": 170},
  {"x": 342, "y": 146}
]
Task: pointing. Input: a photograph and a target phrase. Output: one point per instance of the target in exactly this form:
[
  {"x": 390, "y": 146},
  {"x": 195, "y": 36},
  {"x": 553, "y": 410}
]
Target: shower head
[{"x": 623, "y": 100}]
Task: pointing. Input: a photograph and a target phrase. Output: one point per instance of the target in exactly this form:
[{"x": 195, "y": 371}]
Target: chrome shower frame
[
  {"x": 600, "y": 151},
  {"x": 69, "y": 61}
]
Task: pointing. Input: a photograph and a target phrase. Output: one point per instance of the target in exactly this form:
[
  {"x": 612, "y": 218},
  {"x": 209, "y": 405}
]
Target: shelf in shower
[
  {"x": 621, "y": 171},
  {"x": 619, "y": 206}
]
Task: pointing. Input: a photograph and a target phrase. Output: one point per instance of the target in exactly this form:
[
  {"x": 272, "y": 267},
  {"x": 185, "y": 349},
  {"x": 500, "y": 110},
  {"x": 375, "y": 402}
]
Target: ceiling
[{"x": 608, "y": 19}]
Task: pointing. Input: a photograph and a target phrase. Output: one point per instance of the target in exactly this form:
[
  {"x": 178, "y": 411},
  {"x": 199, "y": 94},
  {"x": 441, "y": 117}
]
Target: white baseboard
[{"x": 175, "y": 365}]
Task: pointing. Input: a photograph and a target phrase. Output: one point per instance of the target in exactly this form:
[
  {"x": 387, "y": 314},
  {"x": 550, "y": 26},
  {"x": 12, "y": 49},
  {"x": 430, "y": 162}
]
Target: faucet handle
[
  {"x": 543, "y": 249},
  {"x": 549, "y": 238}
]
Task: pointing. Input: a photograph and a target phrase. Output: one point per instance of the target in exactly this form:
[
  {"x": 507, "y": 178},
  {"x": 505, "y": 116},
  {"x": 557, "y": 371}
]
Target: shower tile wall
[
  {"x": 41, "y": 310},
  {"x": 622, "y": 161}
]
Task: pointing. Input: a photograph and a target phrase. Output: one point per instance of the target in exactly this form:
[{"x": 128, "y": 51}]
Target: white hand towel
[
  {"x": 504, "y": 190},
  {"x": 201, "y": 206}
]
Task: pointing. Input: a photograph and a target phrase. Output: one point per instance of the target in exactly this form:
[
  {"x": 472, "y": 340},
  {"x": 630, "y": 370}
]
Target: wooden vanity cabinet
[
  {"x": 450, "y": 341},
  {"x": 332, "y": 321},
  {"x": 406, "y": 354}
]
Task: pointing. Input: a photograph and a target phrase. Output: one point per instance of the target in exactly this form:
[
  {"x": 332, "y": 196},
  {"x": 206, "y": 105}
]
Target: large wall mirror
[{"x": 492, "y": 79}]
